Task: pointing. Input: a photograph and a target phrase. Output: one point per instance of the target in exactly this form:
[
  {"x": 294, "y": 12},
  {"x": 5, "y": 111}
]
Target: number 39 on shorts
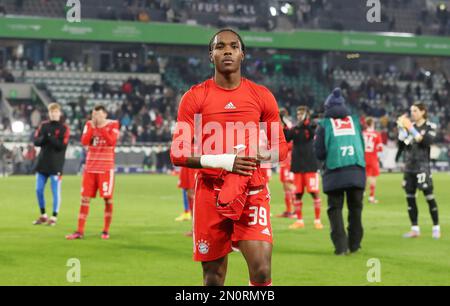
[{"x": 258, "y": 215}]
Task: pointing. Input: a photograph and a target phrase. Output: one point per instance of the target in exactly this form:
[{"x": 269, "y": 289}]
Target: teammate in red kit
[
  {"x": 305, "y": 166},
  {"x": 186, "y": 183},
  {"x": 100, "y": 136},
  {"x": 374, "y": 145},
  {"x": 222, "y": 103},
  {"x": 286, "y": 176}
]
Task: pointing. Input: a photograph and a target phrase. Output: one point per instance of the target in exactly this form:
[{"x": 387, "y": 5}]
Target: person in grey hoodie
[{"x": 339, "y": 144}]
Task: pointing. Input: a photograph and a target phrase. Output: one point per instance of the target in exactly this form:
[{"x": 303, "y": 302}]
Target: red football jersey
[
  {"x": 373, "y": 145},
  {"x": 248, "y": 104},
  {"x": 101, "y": 144}
]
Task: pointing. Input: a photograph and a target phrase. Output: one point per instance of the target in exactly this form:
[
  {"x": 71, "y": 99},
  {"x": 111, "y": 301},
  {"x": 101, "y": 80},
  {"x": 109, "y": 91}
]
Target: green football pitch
[{"x": 148, "y": 248}]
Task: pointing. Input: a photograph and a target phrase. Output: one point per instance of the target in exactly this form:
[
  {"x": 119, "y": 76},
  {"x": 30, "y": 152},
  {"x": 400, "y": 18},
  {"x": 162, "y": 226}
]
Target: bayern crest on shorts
[{"x": 203, "y": 247}]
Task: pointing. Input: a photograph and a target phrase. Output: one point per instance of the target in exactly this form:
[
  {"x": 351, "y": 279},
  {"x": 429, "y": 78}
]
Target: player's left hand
[{"x": 407, "y": 123}]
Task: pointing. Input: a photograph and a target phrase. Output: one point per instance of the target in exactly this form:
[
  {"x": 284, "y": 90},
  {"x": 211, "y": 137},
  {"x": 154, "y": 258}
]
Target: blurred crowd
[
  {"x": 381, "y": 97},
  {"x": 147, "y": 112},
  {"x": 19, "y": 160},
  {"x": 146, "y": 115},
  {"x": 429, "y": 17}
]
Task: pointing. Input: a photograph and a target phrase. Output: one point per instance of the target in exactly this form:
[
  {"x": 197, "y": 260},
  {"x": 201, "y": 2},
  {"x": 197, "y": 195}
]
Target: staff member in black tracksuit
[
  {"x": 52, "y": 137},
  {"x": 339, "y": 143},
  {"x": 304, "y": 165}
]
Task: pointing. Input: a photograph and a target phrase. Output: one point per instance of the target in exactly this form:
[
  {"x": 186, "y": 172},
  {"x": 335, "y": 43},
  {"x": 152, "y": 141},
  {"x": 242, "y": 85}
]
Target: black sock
[
  {"x": 434, "y": 212},
  {"x": 42, "y": 211},
  {"x": 412, "y": 210},
  {"x": 55, "y": 214}
]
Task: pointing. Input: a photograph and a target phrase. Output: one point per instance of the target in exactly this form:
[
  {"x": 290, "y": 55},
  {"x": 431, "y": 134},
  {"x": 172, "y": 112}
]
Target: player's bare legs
[
  {"x": 82, "y": 217},
  {"x": 258, "y": 255},
  {"x": 214, "y": 272},
  {"x": 289, "y": 198},
  {"x": 108, "y": 218},
  {"x": 372, "y": 181},
  {"x": 298, "y": 204},
  {"x": 317, "y": 210},
  {"x": 300, "y": 223}
]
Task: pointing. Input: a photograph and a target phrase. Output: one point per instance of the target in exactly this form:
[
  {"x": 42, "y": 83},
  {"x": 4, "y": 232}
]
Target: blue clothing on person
[{"x": 41, "y": 182}]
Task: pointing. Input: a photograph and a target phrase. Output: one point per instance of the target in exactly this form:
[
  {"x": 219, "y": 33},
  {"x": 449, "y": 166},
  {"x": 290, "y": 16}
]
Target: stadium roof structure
[{"x": 183, "y": 34}]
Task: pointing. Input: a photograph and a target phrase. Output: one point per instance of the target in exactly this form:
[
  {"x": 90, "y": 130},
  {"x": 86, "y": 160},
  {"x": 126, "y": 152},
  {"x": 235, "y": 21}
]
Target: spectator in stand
[
  {"x": 4, "y": 152},
  {"x": 17, "y": 159},
  {"x": 35, "y": 118},
  {"x": 127, "y": 87},
  {"x": 29, "y": 159}
]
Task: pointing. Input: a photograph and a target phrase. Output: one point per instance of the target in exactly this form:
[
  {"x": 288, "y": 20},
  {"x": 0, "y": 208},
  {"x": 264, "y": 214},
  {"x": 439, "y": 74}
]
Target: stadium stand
[
  {"x": 143, "y": 94},
  {"x": 408, "y": 16},
  {"x": 145, "y": 104}
]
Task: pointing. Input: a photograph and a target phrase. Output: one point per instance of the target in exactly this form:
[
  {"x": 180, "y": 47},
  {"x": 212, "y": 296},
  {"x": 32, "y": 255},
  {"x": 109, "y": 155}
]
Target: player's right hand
[{"x": 244, "y": 165}]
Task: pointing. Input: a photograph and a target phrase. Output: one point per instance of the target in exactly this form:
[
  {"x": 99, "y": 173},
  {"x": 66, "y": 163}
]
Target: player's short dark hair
[
  {"x": 422, "y": 108},
  {"x": 102, "y": 108},
  {"x": 303, "y": 108},
  {"x": 211, "y": 42},
  {"x": 369, "y": 121}
]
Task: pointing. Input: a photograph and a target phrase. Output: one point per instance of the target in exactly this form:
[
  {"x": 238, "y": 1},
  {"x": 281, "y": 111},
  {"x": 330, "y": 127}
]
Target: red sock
[
  {"x": 191, "y": 204},
  {"x": 372, "y": 190},
  {"x": 317, "y": 208},
  {"x": 299, "y": 209},
  {"x": 108, "y": 217},
  {"x": 82, "y": 217},
  {"x": 288, "y": 198},
  {"x": 266, "y": 284}
]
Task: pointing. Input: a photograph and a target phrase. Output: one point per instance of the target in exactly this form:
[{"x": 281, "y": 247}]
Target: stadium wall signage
[{"x": 178, "y": 34}]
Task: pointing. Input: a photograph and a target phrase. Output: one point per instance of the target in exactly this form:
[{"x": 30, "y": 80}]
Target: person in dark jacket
[
  {"x": 305, "y": 166},
  {"x": 339, "y": 143},
  {"x": 52, "y": 137}
]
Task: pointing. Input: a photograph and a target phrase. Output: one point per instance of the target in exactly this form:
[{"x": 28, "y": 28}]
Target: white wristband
[{"x": 222, "y": 161}]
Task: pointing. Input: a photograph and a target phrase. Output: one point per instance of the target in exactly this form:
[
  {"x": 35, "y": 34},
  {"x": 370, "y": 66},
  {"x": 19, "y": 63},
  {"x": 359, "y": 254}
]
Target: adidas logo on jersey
[
  {"x": 266, "y": 232},
  {"x": 230, "y": 106}
]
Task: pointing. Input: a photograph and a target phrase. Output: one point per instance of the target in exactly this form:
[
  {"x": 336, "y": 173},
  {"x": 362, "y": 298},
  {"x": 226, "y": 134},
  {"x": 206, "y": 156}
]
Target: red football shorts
[
  {"x": 187, "y": 178},
  {"x": 373, "y": 169},
  {"x": 102, "y": 182},
  {"x": 215, "y": 235},
  {"x": 286, "y": 176},
  {"x": 309, "y": 181}
]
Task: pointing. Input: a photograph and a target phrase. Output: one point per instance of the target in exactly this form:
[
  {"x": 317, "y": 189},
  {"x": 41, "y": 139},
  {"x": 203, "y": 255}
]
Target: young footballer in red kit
[
  {"x": 286, "y": 176},
  {"x": 373, "y": 146},
  {"x": 305, "y": 167},
  {"x": 186, "y": 182},
  {"x": 100, "y": 136},
  {"x": 231, "y": 207}
]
